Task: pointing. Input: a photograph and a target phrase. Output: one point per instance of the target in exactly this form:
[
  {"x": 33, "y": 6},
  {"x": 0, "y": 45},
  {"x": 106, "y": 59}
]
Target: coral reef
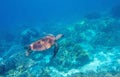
[
  {"x": 93, "y": 74},
  {"x": 89, "y": 49}
]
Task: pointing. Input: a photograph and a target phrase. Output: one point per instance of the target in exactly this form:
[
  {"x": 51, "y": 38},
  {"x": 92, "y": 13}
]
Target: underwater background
[{"x": 90, "y": 46}]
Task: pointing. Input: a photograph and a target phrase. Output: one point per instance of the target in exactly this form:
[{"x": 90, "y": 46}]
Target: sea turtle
[{"x": 44, "y": 44}]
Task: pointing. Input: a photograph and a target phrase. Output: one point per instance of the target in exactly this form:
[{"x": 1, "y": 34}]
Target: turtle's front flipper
[{"x": 55, "y": 50}]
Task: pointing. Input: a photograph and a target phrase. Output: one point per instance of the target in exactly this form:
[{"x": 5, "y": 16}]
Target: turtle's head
[{"x": 59, "y": 36}]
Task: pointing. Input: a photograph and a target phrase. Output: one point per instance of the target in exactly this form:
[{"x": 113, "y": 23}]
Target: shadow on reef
[
  {"x": 29, "y": 35},
  {"x": 13, "y": 63},
  {"x": 8, "y": 65}
]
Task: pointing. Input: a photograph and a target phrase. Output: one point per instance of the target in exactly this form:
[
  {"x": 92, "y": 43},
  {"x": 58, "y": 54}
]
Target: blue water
[{"x": 91, "y": 44}]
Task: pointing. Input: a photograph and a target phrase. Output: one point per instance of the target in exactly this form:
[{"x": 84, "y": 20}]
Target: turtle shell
[{"x": 43, "y": 44}]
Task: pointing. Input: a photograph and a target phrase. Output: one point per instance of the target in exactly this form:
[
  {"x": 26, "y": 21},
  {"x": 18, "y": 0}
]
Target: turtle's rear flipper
[
  {"x": 28, "y": 50},
  {"x": 55, "y": 50},
  {"x": 27, "y": 53}
]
